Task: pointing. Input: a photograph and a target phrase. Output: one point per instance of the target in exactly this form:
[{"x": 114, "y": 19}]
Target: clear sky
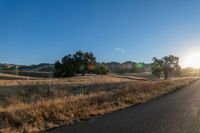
[{"x": 36, "y": 31}]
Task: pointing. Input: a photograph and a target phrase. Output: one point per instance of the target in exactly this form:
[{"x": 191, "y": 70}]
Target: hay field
[{"x": 36, "y": 105}]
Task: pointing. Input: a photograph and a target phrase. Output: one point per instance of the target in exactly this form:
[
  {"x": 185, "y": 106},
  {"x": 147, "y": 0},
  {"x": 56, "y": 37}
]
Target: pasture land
[{"x": 33, "y": 105}]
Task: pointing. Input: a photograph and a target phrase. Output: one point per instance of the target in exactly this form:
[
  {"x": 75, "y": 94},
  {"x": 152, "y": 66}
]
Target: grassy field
[
  {"x": 29, "y": 73},
  {"x": 35, "y": 105},
  {"x": 13, "y": 77}
]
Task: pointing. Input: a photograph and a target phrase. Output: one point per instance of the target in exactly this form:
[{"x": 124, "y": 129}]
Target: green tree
[
  {"x": 78, "y": 63},
  {"x": 101, "y": 69},
  {"x": 84, "y": 62},
  {"x": 156, "y": 67},
  {"x": 58, "y": 69},
  {"x": 168, "y": 64},
  {"x": 68, "y": 66}
]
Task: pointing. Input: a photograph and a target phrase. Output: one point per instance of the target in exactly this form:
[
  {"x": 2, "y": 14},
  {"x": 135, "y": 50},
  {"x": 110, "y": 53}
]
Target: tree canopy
[
  {"x": 167, "y": 64},
  {"x": 78, "y": 63}
]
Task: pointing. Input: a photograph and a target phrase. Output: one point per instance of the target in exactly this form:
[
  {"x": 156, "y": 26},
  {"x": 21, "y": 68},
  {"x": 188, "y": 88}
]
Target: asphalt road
[{"x": 178, "y": 112}]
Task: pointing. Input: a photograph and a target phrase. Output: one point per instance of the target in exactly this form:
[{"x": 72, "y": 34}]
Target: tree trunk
[
  {"x": 166, "y": 75},
  {"x": 83, "y": 73}
]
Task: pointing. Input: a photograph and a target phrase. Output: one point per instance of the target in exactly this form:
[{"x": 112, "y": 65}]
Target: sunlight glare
[{"x": 193, "y": 60}]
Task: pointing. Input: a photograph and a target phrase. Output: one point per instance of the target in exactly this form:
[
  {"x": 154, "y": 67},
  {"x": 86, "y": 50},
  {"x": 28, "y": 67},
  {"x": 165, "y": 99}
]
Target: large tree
[
  {"x": 170, "y": 64},
  {"x": 156, "y": 67},
  {"x": 68, "y": 66},
  {"x": 167, "y": 64},
  {"x": 84, "y": 62},
  {"x": 78, "y": 63}
]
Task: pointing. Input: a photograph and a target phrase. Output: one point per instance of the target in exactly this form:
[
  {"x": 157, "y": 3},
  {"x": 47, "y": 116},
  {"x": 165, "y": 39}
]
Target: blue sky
[{"x": 36, "y": 31}]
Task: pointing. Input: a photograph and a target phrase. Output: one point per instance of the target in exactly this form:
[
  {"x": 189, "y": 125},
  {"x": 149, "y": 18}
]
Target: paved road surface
[{"x": 177, "y": 112}]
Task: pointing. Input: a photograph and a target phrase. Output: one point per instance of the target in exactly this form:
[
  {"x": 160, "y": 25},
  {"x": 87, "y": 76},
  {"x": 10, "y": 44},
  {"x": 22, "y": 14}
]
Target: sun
[{"x": 193, "y": 60}]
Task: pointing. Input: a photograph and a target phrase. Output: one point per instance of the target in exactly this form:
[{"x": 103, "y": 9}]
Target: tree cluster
[
  {"x": 166, "y": 65},
  {"x": 78, "y": 63},
  {"x": 128, "y": 67}
]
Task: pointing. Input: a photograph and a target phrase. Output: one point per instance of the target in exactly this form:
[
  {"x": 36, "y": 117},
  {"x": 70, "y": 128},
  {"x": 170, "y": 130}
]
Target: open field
[
  {"x": 36, "y": 105},
  {"x": 14, "y": 77},
  {"x": 29, "y": 73}
]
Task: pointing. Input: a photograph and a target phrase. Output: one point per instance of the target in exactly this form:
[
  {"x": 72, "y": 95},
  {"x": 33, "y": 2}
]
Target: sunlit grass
[{"x": 64, "y": 101}]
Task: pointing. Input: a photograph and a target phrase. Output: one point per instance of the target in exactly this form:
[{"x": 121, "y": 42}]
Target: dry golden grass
[
  {"x": 67, "y": 81},
  {"x": 74, "y": 99},
  {"x": 13, "y": 77}
]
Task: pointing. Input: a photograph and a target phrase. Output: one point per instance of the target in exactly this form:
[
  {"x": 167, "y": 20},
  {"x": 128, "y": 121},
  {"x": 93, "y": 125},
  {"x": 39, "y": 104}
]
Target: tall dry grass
[{"x": 71, "y": 100}]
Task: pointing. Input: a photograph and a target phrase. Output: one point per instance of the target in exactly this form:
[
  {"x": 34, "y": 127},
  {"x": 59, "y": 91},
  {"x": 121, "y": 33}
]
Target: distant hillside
[
  {"x": 46, "y": 70},
  {"x": 4, "y": 66},
  {"x": 43, "y": 70},
  {"x": 128, "y": 67},
  {"x": 115, "y": 67},
  {"x": 43, "y": 67}
]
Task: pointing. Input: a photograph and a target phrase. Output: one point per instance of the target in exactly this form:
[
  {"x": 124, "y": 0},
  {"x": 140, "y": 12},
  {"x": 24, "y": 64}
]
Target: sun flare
[{"x": 193, "y": 60}]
